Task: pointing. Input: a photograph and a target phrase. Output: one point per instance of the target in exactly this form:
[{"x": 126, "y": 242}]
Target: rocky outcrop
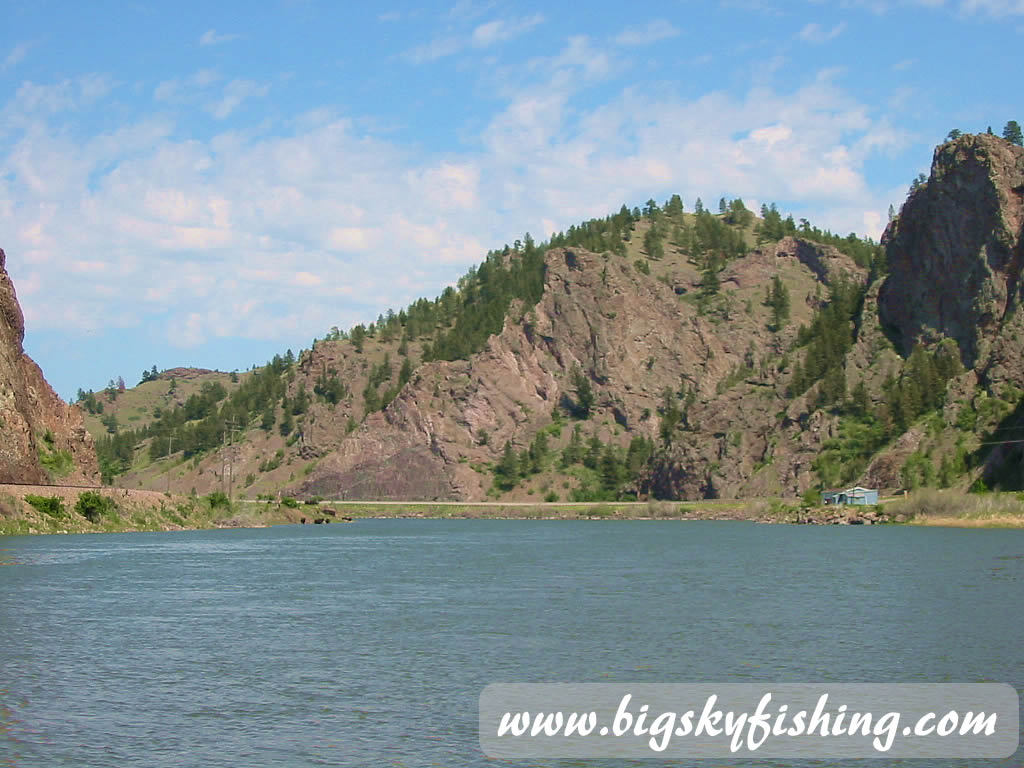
[
  {"x": 955, "y": 256},
  {"x": 42, "y": 439}
]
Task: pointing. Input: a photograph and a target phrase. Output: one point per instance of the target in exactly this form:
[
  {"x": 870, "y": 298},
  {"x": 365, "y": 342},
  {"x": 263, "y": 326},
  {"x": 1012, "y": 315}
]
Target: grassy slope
[{"x": 134, "y": 408}]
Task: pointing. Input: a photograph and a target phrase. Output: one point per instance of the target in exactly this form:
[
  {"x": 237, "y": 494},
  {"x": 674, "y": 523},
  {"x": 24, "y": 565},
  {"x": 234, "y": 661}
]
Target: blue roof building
[{"x": 855, "y": 495}]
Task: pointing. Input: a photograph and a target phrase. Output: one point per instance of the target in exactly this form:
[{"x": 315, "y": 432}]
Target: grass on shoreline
[
  {"x": 730, "y": 509},
  {"x": 962, "y": 510},
  {"x": 924, "y": 507},
  {"x": 23, "y": 514}
]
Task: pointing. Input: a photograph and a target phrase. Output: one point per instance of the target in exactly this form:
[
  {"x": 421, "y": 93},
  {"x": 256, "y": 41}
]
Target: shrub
[
  {"x": 289, "y": 502},
  {"x": 56, "y": 463},
  {"x": 48, "y": 505},
  {"x": 218, "y": 499},
  {"x": 811, "y": 498},
  {"x": 92, "y": 505}
]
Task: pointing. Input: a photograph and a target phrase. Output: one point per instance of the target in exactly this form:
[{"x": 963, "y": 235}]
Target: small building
[{"x": 855, "y": 495}]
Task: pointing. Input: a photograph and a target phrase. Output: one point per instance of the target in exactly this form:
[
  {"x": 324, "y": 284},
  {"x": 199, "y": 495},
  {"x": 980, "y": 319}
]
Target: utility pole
[
  {"x": 223, "y": 459},
  {"x": 170, "y": 442},
  {"x": 230, "y": 428}
]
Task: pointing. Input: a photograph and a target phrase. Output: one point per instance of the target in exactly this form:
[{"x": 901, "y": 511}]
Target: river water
[{"x": 369, "y": 643}]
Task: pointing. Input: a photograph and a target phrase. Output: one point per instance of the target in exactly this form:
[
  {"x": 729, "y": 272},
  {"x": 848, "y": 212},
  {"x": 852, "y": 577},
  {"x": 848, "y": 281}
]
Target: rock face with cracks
[{"x": 955, "y": 256}]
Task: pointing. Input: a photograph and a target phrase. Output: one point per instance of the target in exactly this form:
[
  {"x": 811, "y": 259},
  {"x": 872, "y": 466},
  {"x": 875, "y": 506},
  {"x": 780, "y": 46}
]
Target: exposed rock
[
  {"x": 34, "y": 422},
  {"x": 955, "y": 255},
  {"x": 634, "y": 337}
]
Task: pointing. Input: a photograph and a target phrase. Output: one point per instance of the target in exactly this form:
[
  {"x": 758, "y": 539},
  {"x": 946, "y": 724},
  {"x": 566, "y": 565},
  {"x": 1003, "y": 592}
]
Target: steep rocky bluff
[
  {"x": 42, "y": 439},
  {"x": 956, "y": 253},
  {"x": 955, "y": 257}
]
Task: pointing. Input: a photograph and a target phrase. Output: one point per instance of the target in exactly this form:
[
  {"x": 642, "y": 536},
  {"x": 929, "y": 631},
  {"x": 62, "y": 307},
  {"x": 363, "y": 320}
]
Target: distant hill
[{"x": 654, "y": 352}]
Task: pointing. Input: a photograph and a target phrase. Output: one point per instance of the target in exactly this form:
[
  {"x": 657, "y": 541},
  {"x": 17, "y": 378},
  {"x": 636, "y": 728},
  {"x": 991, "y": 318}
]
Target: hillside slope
[{"x": 631, "y": 334}]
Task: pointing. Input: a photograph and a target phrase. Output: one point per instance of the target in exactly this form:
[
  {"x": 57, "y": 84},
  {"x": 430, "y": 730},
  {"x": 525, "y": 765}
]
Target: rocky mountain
[
  {"x": 651, "y": 353},
  {"x": 632, "y": 335},
  {"x": 956, "y": 254},
  {"x": 42, "y": 439}
]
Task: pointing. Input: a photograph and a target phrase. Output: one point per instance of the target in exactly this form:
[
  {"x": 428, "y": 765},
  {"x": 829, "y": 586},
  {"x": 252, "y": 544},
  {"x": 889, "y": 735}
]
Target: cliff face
[
  {"x": 955, "y": 255},
  {"x": 42, "y": 439}
]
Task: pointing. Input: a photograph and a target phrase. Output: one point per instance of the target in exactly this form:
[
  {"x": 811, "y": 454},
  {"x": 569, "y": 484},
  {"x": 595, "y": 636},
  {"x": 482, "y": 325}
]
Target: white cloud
[
  {"x": 815, "y": 33},
  {"x": 482, "y": 36},
  {"x": 67, "y": 94},
  {"x": 652, "y": 32},
  {"x": 15, "y": 57},
  {"x": 182, "y": 89},
  {"x": 996, "y": 8},
  {"x": 266, "y": 236},
  {"x": 501, "y": 30},
  {"x": 437, "y": 48},
  {"x": 235, "y": 92},
  {"x": 210, "y": 37},
  {"x": 467, "y": 10}
]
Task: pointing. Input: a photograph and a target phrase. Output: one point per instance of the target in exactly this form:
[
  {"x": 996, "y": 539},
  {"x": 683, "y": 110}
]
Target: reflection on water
[{"x": 368, "y": 644}]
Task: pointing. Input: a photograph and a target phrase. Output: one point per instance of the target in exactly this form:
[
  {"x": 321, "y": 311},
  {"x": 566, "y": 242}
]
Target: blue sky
[{"x": 208, "y": 184}]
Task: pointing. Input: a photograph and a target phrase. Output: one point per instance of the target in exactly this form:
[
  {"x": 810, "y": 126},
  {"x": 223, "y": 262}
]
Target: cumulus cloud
[{"x": 266, "y": 236}]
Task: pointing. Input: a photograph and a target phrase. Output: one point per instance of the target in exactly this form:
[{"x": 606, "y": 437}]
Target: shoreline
[{"x": 137, "y": 511}]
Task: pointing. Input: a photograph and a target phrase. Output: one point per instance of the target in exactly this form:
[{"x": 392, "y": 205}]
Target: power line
[{"x": 170, "y": 442}]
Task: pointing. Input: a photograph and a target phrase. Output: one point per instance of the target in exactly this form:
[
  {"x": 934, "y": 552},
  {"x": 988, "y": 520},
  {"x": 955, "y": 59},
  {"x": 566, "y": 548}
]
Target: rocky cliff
[
  {"x": 42, "y": 439},
  {"x": 955, "y": 255}
]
